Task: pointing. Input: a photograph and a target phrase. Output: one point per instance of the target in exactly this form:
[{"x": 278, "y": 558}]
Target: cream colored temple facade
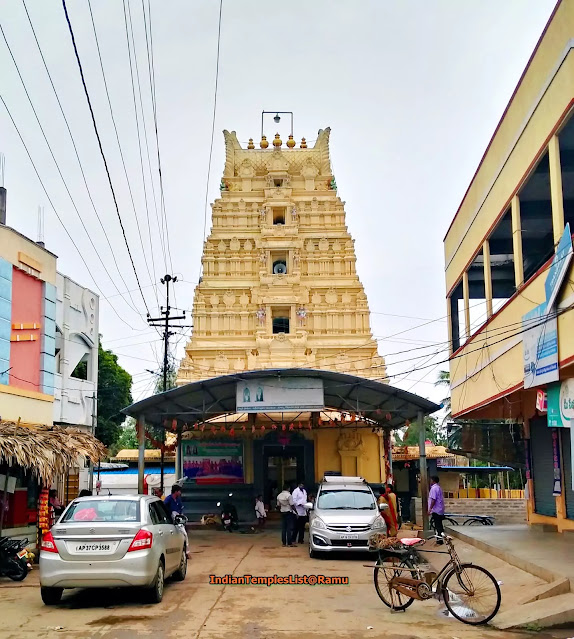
[{"x": 279, "y": 286}]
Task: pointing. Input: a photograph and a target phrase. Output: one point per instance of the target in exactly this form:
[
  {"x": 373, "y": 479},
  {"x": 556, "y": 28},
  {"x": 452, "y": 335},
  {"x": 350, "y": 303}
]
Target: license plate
[
  {"x": 348, "y": 536},
  {"x": 227, "y": 521},
  {"x": 21, "y": 554},
  {"x": 94, "y": 548}
]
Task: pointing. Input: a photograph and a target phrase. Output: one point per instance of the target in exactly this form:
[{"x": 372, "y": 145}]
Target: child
[{"x": 260, "y": 511}]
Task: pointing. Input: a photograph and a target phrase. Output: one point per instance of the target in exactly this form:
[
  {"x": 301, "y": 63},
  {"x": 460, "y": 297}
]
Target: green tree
[
  {"x": 114, "y": 393},
  {"x": 435, "y": 433},
  {"x": 443, "y": 380},
  {"x": 128, "y": 438}
]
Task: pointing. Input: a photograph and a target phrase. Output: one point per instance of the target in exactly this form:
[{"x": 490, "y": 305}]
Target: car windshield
[
  {"x": 99, "y": 510},
  {"x": 346, "y": 500}
]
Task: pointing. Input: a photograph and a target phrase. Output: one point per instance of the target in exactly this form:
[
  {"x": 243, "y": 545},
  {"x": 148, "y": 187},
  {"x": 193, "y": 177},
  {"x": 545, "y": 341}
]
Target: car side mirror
[
  {"x": 383, "y": 507},
  {"x": 309, "y": 506}
]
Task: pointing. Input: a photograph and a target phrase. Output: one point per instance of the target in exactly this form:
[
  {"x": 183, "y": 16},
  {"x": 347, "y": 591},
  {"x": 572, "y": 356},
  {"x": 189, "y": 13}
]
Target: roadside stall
[{"x": 33, "y": 458}]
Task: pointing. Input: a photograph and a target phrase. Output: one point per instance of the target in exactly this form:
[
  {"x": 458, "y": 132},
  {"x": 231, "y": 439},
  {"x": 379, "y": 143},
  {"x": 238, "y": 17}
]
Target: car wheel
[
  {"x": 179, "y": 574},
  {"x": 155, "y": 592},
  {"x": 51, "y": 596},
  {"x": 313, "y": 554}
]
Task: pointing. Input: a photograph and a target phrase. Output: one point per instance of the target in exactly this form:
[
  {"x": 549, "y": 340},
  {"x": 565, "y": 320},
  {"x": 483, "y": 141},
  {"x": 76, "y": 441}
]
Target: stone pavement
[
  {"x": 197, "y": 610},
  {"x": 548, "y": 555}
]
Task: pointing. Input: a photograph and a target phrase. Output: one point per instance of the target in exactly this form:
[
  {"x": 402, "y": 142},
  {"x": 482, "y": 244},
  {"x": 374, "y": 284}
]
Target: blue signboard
[{"x": 558, "y": 268}]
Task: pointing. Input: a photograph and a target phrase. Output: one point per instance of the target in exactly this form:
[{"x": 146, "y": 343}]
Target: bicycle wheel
[
  {"x": 473, "y": 522},
  {"x": 472, "y": 595},
  {"x": 394, "y": 600},
  {"x": 449, "y": 522}
]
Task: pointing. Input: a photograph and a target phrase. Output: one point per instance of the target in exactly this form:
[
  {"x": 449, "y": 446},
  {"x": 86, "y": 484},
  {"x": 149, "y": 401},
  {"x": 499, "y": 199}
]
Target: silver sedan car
[{"x": 113, "y": 541}]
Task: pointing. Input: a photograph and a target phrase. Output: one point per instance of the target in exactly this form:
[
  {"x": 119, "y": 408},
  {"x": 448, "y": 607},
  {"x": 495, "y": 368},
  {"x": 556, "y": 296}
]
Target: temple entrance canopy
[{"x": 260, "y": 428}]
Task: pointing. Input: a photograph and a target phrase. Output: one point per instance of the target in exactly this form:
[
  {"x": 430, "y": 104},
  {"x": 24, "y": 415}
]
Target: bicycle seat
[{"x": 412, "y": 541}]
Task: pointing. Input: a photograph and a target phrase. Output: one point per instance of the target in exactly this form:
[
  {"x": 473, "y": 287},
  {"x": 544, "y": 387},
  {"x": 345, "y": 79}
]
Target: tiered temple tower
[{"x": 279, "y": 286}]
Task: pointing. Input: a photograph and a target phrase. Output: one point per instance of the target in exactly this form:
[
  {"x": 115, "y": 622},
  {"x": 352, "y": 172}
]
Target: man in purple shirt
[{"x": 436, "y": 506}]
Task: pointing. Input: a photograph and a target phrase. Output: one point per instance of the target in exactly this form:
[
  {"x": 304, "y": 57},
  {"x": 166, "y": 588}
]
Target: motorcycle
[
  {"x": 13, "y": 558},
  {"x": 229, "y": 518}
]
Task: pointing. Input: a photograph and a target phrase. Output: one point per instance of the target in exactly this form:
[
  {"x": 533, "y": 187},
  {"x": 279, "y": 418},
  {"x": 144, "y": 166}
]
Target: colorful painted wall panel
[
  {"x": 5, "y": 318},
  {"x": 27, "y": 308}
]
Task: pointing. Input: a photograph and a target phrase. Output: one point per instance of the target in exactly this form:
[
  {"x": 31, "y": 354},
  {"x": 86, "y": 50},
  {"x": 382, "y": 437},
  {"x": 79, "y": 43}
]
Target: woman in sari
[{"x": 390, "y": 515}]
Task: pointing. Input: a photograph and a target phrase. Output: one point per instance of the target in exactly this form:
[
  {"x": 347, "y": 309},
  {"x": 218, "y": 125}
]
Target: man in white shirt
[
  {"x": 299, "y": 500},
  {"x": 285, "y": 505}
]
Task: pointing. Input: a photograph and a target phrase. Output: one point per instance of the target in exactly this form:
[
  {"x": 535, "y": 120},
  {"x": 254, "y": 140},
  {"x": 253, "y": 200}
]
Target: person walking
[
  {"x": 436, "y": 506},
  {"x": 299, "y": 501},
  {"x": 285, "y": 506},
  {"x": 260, "y": 512}
]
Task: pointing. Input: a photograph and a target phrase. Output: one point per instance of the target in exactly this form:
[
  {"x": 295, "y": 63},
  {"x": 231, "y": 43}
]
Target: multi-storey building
[{"x": 509, "y": 282}]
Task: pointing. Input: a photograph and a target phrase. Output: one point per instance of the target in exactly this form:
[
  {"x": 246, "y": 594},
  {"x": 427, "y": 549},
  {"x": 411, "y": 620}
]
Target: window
[
  {"x": 502, "y": 262},
  {"x": 279, "y": 215},
  {"x": 346, "y": 500},
  {"x": 566, "y": 141},
  {"x": 160, "y": 512},
  {"x": 279, "y": 262},
  {"x": 477, "y": 293},
  {"x": 536, "y": 219},
  {"x": 278, "y": 182},
  {"x": 280, "y": 320},
  {"x": 109, "y": 510},
  {"x": 457, "y": 320}
]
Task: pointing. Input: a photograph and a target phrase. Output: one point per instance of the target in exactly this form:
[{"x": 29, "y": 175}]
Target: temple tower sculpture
[{"x": 279, "y": 286}]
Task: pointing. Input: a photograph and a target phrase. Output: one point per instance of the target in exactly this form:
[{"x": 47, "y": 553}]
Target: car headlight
[
  {"x": 378, "y": 523},
  {"x": 319, "y": 523}
]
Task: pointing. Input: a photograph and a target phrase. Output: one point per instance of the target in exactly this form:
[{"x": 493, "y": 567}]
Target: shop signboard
[
  {"x": 213, "y": 461},
  {"x": 280, "y": 394},
  {"x": 540, "y": 347},
  {"x": 561, "y": 404}
]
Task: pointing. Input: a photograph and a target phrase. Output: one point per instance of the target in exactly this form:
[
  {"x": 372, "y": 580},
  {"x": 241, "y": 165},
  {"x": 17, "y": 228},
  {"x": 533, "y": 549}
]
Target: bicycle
[{"x": 470, "y": 593}]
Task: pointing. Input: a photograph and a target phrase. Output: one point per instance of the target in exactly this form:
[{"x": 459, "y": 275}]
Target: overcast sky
[{"x": 412, "y": 90}]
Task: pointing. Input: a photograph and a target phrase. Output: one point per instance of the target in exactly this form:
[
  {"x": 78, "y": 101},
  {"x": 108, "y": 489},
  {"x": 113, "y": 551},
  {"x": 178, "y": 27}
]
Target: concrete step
[
  {"x": 542, "y": 613},
  {"x": 558, "y": 587}
]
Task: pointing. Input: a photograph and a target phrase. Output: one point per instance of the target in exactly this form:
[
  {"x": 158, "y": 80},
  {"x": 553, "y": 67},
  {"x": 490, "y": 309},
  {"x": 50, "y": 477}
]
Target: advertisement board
[
  {"x": 272, "y": 394},
  {"x": 561, "y": 404},
  {"x": 213, "y": 462},
  {"x": 540, "y": 347}
]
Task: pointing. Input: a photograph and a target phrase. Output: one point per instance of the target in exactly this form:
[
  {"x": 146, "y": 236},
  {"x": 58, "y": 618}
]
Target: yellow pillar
[
  {"x": 556, "y": 188},
  {"x": 487, "y": 278},
  {"x": 465, "y": 294},
  {"x": 517, "y": 242}
]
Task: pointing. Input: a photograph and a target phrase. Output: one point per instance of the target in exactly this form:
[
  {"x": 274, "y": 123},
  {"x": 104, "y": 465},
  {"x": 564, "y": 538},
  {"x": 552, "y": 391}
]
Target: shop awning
[
  {"x": 476, "y": 470},
  {"x": 198, "y": 401},
  {"x": 47, "y": 451}
]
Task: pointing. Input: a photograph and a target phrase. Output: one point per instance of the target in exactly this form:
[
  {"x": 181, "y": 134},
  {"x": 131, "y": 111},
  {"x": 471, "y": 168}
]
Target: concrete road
[{"x": 196, "y": 609}]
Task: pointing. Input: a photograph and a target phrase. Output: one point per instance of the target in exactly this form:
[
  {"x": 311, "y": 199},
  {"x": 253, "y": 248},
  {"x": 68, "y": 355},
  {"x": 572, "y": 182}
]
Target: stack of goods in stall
[{"x": 45, "y": 517}]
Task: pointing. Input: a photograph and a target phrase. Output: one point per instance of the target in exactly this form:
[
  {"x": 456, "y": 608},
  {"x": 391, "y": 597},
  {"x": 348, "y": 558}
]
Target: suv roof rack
[{"x": 338, "y": 479}]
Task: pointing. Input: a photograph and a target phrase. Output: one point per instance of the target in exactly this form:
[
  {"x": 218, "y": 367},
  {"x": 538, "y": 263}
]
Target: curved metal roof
[{"x": 208, "y": 398}]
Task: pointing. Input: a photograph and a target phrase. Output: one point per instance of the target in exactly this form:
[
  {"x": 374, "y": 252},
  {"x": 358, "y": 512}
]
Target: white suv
[{"x": 343, "y": 516}]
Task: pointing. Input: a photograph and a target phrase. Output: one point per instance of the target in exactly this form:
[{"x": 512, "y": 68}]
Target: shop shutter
[
  {"x": 542, "y": 467},
  {"x": 567, "y": 466}
]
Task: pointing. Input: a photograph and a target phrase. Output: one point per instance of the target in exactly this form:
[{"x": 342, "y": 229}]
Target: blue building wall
[
  {"x": 48, "y": 356},
  {"x": 5, "y": 319}
]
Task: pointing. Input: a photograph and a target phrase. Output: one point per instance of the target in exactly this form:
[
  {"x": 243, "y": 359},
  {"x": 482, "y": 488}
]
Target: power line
[
  {"x": 212, "y": 122},
  {"x": 128, "y": 18},
  {"x": 122, "y": 154},
  {"x": 78, "y": 159},
  {"x": 95, "y": 126},
  {"x": 151, "y": 71},
  {"x": 58, "y": 216}
]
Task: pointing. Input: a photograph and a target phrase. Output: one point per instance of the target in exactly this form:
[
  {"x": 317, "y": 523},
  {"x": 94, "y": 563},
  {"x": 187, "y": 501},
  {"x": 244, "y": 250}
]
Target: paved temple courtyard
[{"x": 196, "y": 609}]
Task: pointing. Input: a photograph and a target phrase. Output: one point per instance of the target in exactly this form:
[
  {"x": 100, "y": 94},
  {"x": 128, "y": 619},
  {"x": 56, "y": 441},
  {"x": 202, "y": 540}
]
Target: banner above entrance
[{"x": 259, "y": 395}]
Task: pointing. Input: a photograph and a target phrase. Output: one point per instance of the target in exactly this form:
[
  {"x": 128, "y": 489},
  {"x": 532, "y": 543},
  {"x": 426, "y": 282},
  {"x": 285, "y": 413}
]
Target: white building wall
[{"x": 77, "y": 335}]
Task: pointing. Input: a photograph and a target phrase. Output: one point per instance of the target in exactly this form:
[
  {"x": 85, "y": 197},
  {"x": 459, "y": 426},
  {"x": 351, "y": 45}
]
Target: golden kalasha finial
[
  {"x": 303, "y": 143},
  {"x": 250, "y": 144},
  {"x": 291, "y": 142},
  {"x": 277, "y": 142},
  {"x": 263, "y": 144}
]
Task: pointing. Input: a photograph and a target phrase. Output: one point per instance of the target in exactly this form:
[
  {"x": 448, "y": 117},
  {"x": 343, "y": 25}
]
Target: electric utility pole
[{"x": 165, "y": 322}]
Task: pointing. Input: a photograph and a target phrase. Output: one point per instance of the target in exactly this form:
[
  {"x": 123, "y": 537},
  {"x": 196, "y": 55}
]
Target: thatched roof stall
[{"x": 47, "y": 451}]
